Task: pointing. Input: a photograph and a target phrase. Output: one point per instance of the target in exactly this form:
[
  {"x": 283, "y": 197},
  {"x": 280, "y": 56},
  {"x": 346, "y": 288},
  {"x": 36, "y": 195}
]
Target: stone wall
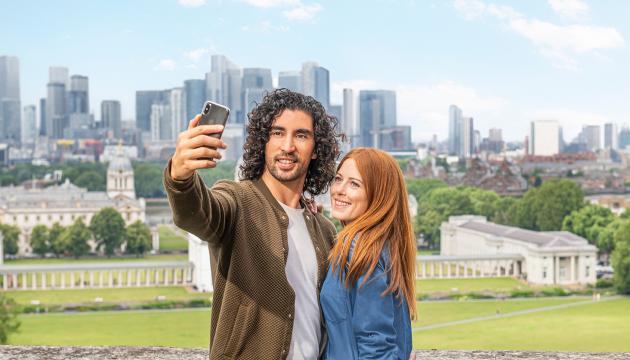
[{"x": 164, "y": 353}]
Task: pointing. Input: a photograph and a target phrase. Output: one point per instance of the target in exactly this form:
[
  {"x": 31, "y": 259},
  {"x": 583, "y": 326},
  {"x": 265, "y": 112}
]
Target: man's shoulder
[
  {"x": 241, "y": 189},
  {"x": 325, "y": 223}
]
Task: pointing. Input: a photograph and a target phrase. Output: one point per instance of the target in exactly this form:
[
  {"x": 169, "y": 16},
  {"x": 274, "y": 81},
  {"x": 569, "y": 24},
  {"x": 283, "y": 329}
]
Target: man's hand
[{"x": 195, "y": 149}]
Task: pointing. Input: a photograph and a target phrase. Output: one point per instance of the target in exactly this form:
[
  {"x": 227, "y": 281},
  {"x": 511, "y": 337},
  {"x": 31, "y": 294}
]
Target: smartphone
[{"x": 214, "y": 114}]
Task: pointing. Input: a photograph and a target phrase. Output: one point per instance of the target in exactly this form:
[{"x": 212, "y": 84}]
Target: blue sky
[{"x": 504, "y": 63}]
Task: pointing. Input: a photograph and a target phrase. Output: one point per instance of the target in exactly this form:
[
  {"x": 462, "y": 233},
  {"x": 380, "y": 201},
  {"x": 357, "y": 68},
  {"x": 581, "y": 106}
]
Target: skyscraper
[
  {"x": 29, "y": 125},
  {"x": 56, "y": 114},
  {"x": 467, "y": 141},
  {"x": 347, "y": 124},
  {"x": 223, "y": 84},
  {"x": 377, "y": 111},
  {"x": 592, "y": 137},
  {"x": 316, "y": 82},
  {"x": 177, "y": 101},
  {"x": 545, "y": 138},
  {"x": 336, "y": 111},
  {"x": 454, "y": 129},
  {"x": 290, "y": 80},
  {"x": 10, "y": 108},
  {"x": 611, "y": 136},
  {"x": 79, "y": 119},
  {"x": 59, "y": 75},
  {"x": 160, "y": 121},
  {"x": 257, "y": 78},
  {"x": 42, "y": 117},
  {"x": 195, "y": 95},
  {"x": 78, "y": 97},
  {"x": 144, "y": 100},
  {"x": 256, "y": 84},
  {"x": 111, "y": 118}
]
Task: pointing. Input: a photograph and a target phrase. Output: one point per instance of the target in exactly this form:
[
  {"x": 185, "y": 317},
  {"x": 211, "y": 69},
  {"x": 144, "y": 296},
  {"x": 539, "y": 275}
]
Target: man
[{"x": 268, "y": 248}]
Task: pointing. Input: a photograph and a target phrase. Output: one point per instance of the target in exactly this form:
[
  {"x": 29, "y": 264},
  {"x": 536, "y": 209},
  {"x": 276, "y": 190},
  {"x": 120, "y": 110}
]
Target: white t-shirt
[{"x": 301, "y": 270}]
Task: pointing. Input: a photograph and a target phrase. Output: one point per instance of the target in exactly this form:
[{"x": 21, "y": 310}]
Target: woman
[{"x": 368, "y": 296}]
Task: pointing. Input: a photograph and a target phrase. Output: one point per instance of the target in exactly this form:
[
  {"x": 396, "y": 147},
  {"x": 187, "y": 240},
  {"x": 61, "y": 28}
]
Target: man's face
[{"x": 291, "y": 146}]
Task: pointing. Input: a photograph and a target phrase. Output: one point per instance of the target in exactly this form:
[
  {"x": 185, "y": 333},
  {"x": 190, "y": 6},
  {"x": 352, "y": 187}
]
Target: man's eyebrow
[{"x": 304, "y": 131}]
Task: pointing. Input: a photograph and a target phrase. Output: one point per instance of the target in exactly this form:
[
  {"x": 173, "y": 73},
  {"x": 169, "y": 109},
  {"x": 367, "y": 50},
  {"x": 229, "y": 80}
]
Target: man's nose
[{"x": 288, "y": 145}]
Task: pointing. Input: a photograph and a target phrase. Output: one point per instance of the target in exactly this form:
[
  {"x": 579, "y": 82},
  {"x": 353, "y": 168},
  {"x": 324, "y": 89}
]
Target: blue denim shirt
[{"x": 361, "y": 323}]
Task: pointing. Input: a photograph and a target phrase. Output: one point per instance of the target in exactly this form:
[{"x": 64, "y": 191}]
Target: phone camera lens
[{"x": 206, "y": 109}]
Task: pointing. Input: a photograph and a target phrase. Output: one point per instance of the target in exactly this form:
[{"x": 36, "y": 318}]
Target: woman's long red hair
[{"x": 386, "y": 220}]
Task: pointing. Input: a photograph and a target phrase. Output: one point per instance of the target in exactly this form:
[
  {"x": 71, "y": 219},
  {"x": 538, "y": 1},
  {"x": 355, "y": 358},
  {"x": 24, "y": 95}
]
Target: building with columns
[
  {"x": 65, "y": 203},
  {"x": 545, "y": 258}
]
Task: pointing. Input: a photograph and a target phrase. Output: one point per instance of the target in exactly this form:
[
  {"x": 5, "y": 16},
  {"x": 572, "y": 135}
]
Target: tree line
[
  {"x": 93, "y": 176},
  {"x": 556, "y": 205},
  {"x": 107, "y": 228}
]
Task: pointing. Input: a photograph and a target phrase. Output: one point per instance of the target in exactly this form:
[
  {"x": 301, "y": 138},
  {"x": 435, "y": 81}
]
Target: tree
[
  {"x": 503, "y": 207},
  {"x": 606, "y": 239},
  {"x": 9, "y": 322},
  {"x": 39, "y": 240},
  {"x": 484, "y": 202},
  {"x": 588, "y": 222},
  {"x": 138, "y": 238},
  {"x": 621, "y": 259},
  {"x": 10, "y": 235},
  {"x": 148, "y": 180},
  {"x": 437, "y": 207},
  {"x": 91, "y": 180},
  {"x": 421, "y": 188},
  {"x": 76, "y": 238},
  {"x": 544, "y": 208},
  {"x": 556, "y": 199},
  {"x": 57, "y": 246},
  {"x": 108, "y": 228}
]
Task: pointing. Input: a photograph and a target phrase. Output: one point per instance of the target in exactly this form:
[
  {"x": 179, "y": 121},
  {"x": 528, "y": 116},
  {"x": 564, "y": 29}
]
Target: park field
[
  {"x": 550, "y": 324},
  {"x": 124, "y": 295}
]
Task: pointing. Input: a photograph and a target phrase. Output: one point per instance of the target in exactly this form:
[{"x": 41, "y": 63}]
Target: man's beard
[{"x": 285, "y": 176}]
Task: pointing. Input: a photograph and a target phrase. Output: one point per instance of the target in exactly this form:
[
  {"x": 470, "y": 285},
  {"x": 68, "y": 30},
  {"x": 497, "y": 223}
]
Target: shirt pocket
[{"x": 334, "y": 301}]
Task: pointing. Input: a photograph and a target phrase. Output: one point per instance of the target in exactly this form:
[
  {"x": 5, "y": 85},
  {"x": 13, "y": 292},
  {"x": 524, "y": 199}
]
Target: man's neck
[{"x": 286, "y": 192}]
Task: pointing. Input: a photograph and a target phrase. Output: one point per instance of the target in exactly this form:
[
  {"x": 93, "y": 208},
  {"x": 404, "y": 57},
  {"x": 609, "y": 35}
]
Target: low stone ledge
[{"x": 167, "y": 353}]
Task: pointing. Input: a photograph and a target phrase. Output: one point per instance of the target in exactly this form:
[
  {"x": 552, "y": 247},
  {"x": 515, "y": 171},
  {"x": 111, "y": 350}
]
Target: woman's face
[{"x": 348, "y": 195}]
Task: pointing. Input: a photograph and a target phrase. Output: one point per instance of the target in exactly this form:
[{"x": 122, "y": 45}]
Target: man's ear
[{"x": 314, "y": 156}]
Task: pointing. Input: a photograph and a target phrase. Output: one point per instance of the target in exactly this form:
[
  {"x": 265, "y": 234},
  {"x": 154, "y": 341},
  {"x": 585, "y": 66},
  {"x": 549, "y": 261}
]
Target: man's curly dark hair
[{"x": 321, "y": 170}]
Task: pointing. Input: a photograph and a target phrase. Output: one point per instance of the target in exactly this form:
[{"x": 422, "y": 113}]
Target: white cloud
[
  {"x": 272, "y": 3},
  {"x": 192, "y": 3},
  {"x": 264, "y": 27},
  {"x": 559, "y": 43},
  {"x": 470, "y": 9},
  {"x": 572, "y": 9},
  {"x": 303, "y": 12},
  {"x": 196, "y": 54},
  {"x": 165, "y": 65}
]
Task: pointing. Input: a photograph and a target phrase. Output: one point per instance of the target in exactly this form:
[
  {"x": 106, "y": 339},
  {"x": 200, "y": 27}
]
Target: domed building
[
  {"x": 120, "y": 183},
  {"x": 64, "y": 203}
]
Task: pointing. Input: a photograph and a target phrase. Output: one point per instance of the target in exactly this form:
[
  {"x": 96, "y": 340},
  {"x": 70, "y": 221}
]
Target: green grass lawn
[
  {"x": 188, "y": 328},
  {"x": 502, "y": 284},
  {"x": 53, "y": 261},
  {"x": 435, "y": 312},
  {"x": 603, "y": 326},
  {"x": 171, "y": 239},
  {"x": 123, "y": 295}
]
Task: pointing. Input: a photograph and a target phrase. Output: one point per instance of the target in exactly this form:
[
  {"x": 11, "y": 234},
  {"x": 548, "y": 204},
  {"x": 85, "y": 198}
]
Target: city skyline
[{"x": 505, "y": 64}]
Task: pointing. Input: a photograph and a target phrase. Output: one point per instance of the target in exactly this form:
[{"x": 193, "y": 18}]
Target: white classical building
[
  {"x": 63, "y": 204},
  {"x": 546, "y": 258},
  {"x": 199, "y": 256}
]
